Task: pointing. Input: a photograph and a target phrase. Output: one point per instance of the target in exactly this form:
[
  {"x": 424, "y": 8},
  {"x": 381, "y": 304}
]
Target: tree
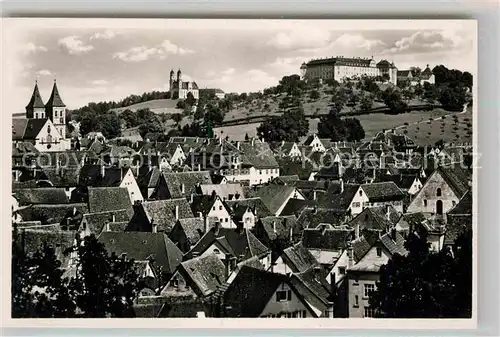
[
  {"x": 177, "y": 118},
  {"x": 392, "y": 98},
  {"x": 110, "y": 125},
  {"x": 105, "y": 285},
  {"x": 213, "y": 114},
  {"x": 190, "y": 100},
  {"x": 331, "y": 126},
  {"x": 289, "y": 127},
  {"x": 366, "y": 102},
  {"x": 353, "y": 129},
  {"x": 426, "y": 284},
  {"x": 314, "y": 95}
]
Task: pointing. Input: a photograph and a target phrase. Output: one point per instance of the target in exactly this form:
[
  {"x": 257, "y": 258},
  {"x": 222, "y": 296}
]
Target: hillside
[{"x": 159, "y": 106}]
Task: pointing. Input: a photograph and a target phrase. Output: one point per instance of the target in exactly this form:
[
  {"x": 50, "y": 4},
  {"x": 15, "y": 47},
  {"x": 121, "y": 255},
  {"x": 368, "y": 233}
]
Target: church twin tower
[{"x": 54, "y": 109}]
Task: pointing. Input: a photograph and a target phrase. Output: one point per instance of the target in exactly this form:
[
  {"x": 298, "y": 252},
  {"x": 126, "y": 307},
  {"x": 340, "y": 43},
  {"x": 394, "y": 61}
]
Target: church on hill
[
  {"x": 179, "y": 89},
  {"x": 45, "y": 123}
]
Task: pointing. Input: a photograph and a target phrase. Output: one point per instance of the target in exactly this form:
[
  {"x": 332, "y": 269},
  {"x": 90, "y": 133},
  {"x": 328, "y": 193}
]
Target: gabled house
[
  {"x": 286, "y": 149},
  {"x": 362, "y": 276},
  {"x": 224, "y": 191},
  {"x": 141, "y": 246},
  {"x": 198, "y": 277},
  {"x": 212, "y": 206},
  {"x": 148, "y": 180},
  {"x": 187, "y": 232},
  {"x": 180, "y": 184},
  {"x": 294, "y": 259},
  {"x": 277, "y": 232},
  {"x": 247, "y": 211},
  {"x": 441, "y": 191},
  {"x": 275, "y": 197},
  {"x": 315, "y": 143},
  {"x": 459, "y": 219},
  {"x": 328, "y": 244},
  {"x": 375, "y": 218},
  {"x": 159, "y": 216},
  {"x": 377, "y": 194},
  {"x": 258, "y": 293},
  {"x": 103, "y": 199},
  {"x": 96, "y": 223},
  {"x": 121, "y": 177},
  {"x": 231, "y": 245}
]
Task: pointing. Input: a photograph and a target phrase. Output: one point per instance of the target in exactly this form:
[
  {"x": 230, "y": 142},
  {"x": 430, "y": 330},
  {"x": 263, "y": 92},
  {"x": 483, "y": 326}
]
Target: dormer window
[{"x": 438, "y": 192}]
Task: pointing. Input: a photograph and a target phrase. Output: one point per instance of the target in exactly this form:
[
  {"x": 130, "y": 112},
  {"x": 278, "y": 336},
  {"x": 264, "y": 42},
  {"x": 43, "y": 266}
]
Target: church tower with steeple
[
  {"x": 36, "y": 107},
  {"x": 55, "y": 109}
]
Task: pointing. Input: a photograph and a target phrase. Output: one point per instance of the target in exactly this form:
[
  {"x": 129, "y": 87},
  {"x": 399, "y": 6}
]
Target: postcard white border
[{"x": 10, "y": 25}]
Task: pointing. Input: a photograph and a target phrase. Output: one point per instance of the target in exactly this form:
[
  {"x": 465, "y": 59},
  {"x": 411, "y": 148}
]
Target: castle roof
[
  {"x": 55, "y": 99},
  {"x": 36, "y": 99}
]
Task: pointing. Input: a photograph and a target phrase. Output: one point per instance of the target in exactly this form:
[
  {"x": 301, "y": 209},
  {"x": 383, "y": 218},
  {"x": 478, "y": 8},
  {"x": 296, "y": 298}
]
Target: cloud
[
  {"x": 99, "y": 82},
  {"x": 287, "y": 65},
  {"x": 302, "y": 36},
  {"x": 427, "y": 41},
  {"x": 357, "y": 41},
  {"x": 228, "y": 71},
  {"x": 143, "y": 53},
  {"x": 74, "y": 46},
  {"x": 106, "y": 35},
  {"x": 44, "y": 72},
  {"x": 33, "y": 48}
]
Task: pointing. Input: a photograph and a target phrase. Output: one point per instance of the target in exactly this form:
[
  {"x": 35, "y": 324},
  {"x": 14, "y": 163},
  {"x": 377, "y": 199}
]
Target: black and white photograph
[{"x": 195, "y": 168}]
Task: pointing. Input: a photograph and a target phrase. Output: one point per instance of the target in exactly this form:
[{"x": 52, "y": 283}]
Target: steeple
[
  {"x": 55, "y": 99},
  {"x": 36, "y": 100}
]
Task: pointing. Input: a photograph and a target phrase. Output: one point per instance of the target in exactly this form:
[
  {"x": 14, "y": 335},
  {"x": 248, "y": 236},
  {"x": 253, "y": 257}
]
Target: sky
[{"x": 110, "y": 59}]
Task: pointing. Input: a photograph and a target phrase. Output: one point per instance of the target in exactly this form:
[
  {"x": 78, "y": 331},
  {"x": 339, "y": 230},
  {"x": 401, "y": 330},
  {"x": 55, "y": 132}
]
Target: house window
[
  {"x": 283, "y": 295},
  {"x": 368, "y": 289},
  {"x": 379, "y": 251},
  {"x": 216, "y": 251},
  {"x": 175, "y": 283},
  {"x": 369, "y": 312},
  {"x": 425, "y": 203},
  {"x": 360, "y": 193},
  {"x": 453, "y": 203},
  {"x": 227, "y": 219},
  {"x": 304, "y": 314},
  {"x": 260, "y": 171},
  {"x": 438, "y": 192},
  {"x": 342, "y": 270},
  {"x": 356, "y": 301},
  {"x": 213, "y": 208},
  {"x": 220, "y": 208},
  {"x": 356, "y": 204}
]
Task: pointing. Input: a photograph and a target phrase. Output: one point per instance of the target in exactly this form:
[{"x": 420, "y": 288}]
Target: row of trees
[
  {"x": 426, "y": 284},
  {"x": 102, "y": 285}
]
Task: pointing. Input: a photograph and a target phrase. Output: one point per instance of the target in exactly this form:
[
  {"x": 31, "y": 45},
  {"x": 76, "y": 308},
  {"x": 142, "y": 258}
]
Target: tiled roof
[
  {"x": 55, "y": 99},
  {"x": 298, "y": 258},
  {"x": 403, "y": 73},
  {"x": 190, "y": 180},
  {"x": 207, "y": 273},
  {"x": 149, "y": 178},
  {"x": 376, "y": 218},
  {"x": 162, "y": 212},
  {"x": 27, "y": 128},
  {"x": 23, "y": 148},
  {"x": 238, "y": 242},
  {"x": 311, "y": 286},
  {"x": 203, "y": 203},
  {"x": 97, "y": 221},
  {"x": 274, "y": 196},
  {"x": 383, "y": 191},
  {"x": 250, "y": 291},
  {"x": 41, "y": 195},
  {"x": 394, "y": 246},
  {"x": 282, "y": 224},
  {"x": 295, "y": 206},
  {"x": 103, "y": 199},
  {"x": 326, "y": 239},
  {"x": 62, "y": 176},
  {"x": 59, "y": 240},
  {"x": 259, "y": 155},
  {"x": 287, "y": 180},
  {"x": 339, "y": 202},
  {"x": 49, "y": 214},
  {"x": 228, "y": 191},
  {"x": 142, "y": 246},
  {"x": 344, "y": 61},
  {"x": 312, "y": 217},
  {"x": 464, "y": 206},
  {"x": 118, "y": 226},
  {"x": 256, "y": 204},
  {"x": 193, "y": 228},
  {"x": 361, "y": 246},
  {"x": 457, "y": 178},
  {"x": 36, "y": 100}
]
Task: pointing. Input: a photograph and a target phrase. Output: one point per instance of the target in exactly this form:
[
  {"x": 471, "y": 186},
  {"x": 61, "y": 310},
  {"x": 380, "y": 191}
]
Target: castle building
[
  {"x": 180, "y": 89},
  {"x": 338, "y": 68}
]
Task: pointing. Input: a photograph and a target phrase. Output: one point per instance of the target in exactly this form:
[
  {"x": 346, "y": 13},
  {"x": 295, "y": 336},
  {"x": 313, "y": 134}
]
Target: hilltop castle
[{"x": 180, "y": 89}]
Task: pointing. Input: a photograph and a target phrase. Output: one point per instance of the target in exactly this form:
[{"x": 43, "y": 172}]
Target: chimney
[
  {"x": 282, "y": 142},
  {"x": 200, "y": 215},
  {"x": 205, "y": 223},
  {"x": 216, "y": 227},
  {"x": 103, "y": 170},
  {"x": 176, "y": 212},
  {"x": 252, "y": 141},
  {"x": 382, "y": 160},
  {"x": 238, "y": 145},
  {"x": 393, "y": 234},
  {"x": 291, "y": 234},
  {"x": 154, "y": 228},
  {"x": 108, "y": 229},
  {"x": 357, "y": 231},
  {"x": 274, "y": 227},
  {"x": 199, "y": 167},
  {"x": 317, "y": 270},
  {"x": 341, "y": 185},
  {"x": 388, "y": 212},
  {"x": 192, "y": 197},
  {"x": 350, "y": 255}
]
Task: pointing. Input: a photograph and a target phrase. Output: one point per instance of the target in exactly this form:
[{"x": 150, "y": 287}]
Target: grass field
[
  {"x": 448, "y": 129},
  {"x": 157, "y": 106},
  {"x": 237, "y": 132}
]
